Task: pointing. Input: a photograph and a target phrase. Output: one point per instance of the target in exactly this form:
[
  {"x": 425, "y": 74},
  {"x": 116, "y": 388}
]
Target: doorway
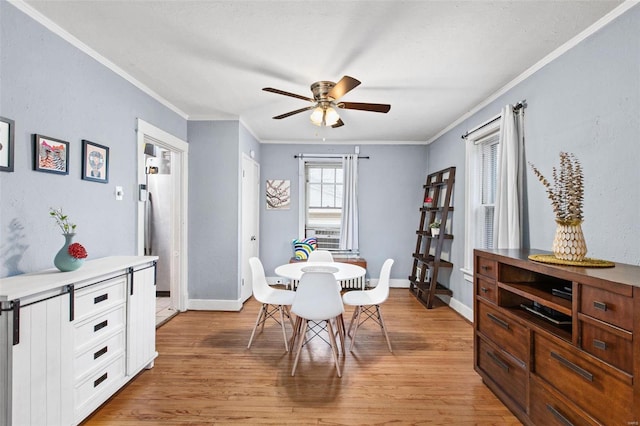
[
  {"x": 162, "y": 154},
  {"x": 250, "y": 220}
]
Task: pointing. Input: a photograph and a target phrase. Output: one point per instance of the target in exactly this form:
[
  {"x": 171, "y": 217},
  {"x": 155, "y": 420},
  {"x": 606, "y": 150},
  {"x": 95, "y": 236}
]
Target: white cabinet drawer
[
  {"x": 95, "y": 329},
  {"x": 95, "y": 298},
  {"x": 98, "y": 354},
  {"x": 102, "y": 381}
]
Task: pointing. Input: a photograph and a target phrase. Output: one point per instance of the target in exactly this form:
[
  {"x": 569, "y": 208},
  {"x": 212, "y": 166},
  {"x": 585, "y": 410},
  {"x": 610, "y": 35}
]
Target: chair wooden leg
[
  {"x": 284, "y": 332},
  {"x": 261, "y": 313},
  {"x": 341, "y": 332},
  {"x": 353, "y": 317},
  {"x": 334, "y": 348},
  {"x": 384, "y": 328},
  {"x": 300, "y": 343},
  {"x": 355, "y": 331}
]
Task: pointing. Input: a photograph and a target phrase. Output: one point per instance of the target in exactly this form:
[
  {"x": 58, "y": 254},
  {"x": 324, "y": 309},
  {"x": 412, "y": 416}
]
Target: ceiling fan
[{"x": 326, "y": 95}]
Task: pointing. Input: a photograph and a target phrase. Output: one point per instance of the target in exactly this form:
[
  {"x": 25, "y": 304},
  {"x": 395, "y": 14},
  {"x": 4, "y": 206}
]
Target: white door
[{"x": 250, "y": 219}]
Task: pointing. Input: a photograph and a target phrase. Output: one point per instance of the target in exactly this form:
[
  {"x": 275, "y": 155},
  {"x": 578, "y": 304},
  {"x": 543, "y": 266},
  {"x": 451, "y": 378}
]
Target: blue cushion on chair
[{"x": 302, "y": 248}]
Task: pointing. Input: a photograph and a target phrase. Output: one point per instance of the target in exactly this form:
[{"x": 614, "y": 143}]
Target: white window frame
[
  {"x": 302, "y": 188},
  {"x": 474, "y": 144}
]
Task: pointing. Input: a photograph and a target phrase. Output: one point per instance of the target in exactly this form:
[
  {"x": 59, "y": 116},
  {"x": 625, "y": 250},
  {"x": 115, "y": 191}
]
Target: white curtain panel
[
  {"x": 349, "y": 231},
  {"x": 508, "y": 203}
]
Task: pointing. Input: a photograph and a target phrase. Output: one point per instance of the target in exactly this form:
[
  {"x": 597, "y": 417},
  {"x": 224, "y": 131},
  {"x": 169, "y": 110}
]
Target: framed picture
[
  {"x": 278, "y": 194},
  {"x": 51, "y": 155},
  {"x": 6, "y": 144},
  {"x": 95, "y": 162}
]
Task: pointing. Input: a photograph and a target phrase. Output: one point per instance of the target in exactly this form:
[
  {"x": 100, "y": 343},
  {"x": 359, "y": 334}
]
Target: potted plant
[
  {"x": 428, "y": 202},
  {"x": 435, "y": 228}
]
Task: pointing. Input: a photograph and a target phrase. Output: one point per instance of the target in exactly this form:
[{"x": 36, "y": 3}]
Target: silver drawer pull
[
  {"x": 600, "y": 305},
  {"x": 99, "y": 380},
  {"x": 498, "y": 321},
  {"x": 571, "y": 366},
  {"x": 101, "y": 352},
  {"x": 558, "y": 415},
  {"x": 498, "y": 361},
  {"x": 485, "y": 268},
  {"x": 484, "y": 290},
  {"x": 599, "y": 344}
]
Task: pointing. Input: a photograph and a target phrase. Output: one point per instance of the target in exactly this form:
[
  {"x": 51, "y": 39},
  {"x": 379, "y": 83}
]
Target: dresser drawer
[
  {"x": 486, "y": 289},
  {"x": 487, "y": 267},
  {"x": 103, "y": 380},
  {"x": 508, "y": 373},
  {"x": 98, "y": 354},
  {"x": 510, "y": 335},
  {"x": 549, "y": 409},
  {"x": 614, "y": 346},
  {"x": 93, "y": 330},
  {"x": 610, "y": 307},
  {"x": 95, "y": 298},
  {"x": 592, "y": 385}
]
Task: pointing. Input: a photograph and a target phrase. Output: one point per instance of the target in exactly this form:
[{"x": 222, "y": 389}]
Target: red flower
[
  {"x": 428, "y": 200},
  {"x": 77, "y": 251}
]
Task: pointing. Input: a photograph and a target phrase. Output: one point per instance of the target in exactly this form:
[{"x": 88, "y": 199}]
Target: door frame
[{"x": 180, "y": 158}]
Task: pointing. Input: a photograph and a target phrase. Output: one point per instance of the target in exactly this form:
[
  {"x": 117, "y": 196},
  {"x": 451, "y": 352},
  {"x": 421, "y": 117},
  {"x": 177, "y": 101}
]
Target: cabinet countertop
[{"x": 19, "y": 286}]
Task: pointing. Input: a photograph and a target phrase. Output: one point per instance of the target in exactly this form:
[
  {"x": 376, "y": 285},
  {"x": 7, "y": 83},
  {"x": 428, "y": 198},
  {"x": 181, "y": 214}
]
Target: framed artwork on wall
[
  {"x": 95, "y": 162},
  {"x": 50, "y": 155},
  {"x": 6, "y": 144},
  {"x": 278, "y": 194}
]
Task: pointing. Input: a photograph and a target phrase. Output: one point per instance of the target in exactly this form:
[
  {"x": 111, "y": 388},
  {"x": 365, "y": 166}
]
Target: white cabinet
[{"x": 68, "y": 341}]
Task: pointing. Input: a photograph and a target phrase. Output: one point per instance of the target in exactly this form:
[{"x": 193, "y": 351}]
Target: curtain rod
[
  {"x": 326, "y": 156},
  {"x": 516, "y": 108}
]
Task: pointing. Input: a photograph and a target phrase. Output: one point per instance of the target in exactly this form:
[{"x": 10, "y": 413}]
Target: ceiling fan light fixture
[{"x": 324, "y": 116}]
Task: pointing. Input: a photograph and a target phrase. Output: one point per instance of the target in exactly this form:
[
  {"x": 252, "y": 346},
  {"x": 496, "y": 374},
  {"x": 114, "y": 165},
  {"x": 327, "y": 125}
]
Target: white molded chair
[
  {"x": 317, "y": 301},
  {"x": 320, "y": 256},
  {"x": 367, "y": 303},
  {"x": 273, "y": 301}
]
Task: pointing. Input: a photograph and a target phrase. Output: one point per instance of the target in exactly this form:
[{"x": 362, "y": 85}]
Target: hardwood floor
[{"x": 206, "y": 375}]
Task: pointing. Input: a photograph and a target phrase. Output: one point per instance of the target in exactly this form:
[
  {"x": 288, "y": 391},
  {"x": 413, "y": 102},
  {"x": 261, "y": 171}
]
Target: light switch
[{"x": 119, "y": 193}]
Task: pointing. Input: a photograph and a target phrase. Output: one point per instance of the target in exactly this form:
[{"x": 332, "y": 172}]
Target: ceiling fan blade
[
  {"x": 345, "y": 85},
  {"x": 340, "y": 123},
  {"x": 365, "y": 107},
  {"x": 289, "y": 114},
  {"x": 282, "y": 92}
]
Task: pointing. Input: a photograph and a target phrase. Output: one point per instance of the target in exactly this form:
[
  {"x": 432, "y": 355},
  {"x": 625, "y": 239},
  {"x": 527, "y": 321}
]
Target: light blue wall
[
  {"x": 390, "y": 194},
  {"x": 50, "y": 87},
  {"x": 585, "y": 102}
]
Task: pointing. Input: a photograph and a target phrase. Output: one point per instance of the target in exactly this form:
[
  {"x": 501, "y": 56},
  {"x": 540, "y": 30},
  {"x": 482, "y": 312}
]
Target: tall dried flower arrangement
[{"x": 567, "y": 191}]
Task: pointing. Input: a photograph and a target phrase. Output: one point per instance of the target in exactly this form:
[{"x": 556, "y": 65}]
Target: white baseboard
[
  {"x": 458, "y": 306},
  {"x": 214, "y": 305}
]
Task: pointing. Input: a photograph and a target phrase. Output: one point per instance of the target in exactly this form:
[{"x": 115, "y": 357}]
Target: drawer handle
[
  {"x": 576, "y": 369},
  {"x": 600, "y": 305},
  {"x": 485, "y": 268},
  {"x": 99, "y": 380},
  {"x": 558, "y": 415},
  {"x": 101, "y": 325},
  {"x": 100, "y": 352},
  {"x": 599, "y": 344},
  {"x": 101, "y": 298},
  {"x": 498, "y": 361},
  {"x": 484, "y": 290},
  {"x": 498, "y": 321}
]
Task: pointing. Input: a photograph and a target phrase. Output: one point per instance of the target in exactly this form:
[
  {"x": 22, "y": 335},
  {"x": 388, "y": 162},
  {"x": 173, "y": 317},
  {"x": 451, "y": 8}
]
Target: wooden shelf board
[{"x": 540, "y": 295}]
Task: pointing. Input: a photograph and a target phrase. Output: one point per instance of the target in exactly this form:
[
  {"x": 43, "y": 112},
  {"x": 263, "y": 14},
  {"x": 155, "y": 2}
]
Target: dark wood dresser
[{"x": 559, "y": 345}]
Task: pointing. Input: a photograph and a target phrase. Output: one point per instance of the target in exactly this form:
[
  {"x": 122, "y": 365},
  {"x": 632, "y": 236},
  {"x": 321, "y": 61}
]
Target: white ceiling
[{"x": 433, "y": 61}]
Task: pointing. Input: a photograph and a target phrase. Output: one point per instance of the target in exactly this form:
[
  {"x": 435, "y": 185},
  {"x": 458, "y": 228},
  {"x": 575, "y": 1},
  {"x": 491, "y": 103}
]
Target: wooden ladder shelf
[{"x": 427, "y": 257}]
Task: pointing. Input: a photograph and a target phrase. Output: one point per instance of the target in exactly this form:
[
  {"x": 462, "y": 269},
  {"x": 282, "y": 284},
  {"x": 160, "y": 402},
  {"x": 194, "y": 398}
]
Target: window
[
  {"x": 323, "y": 202},
  {"x": 481, "y": 180}
]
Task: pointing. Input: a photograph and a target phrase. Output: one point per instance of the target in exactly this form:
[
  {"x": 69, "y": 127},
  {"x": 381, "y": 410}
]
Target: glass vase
[
  {"x": 569, "y": 243},
  {"x": 63, "y": 260}
]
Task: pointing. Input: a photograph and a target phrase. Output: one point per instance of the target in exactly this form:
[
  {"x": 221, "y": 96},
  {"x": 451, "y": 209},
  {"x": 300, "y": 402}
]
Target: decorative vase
[
  {"x": 569, "y": 243},
  {"x": 435, "y": 231},
  {"x": 63, "y": 260}
]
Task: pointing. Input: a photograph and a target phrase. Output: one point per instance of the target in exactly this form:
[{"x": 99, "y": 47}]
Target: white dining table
[{"x": 341, "y": 271}]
